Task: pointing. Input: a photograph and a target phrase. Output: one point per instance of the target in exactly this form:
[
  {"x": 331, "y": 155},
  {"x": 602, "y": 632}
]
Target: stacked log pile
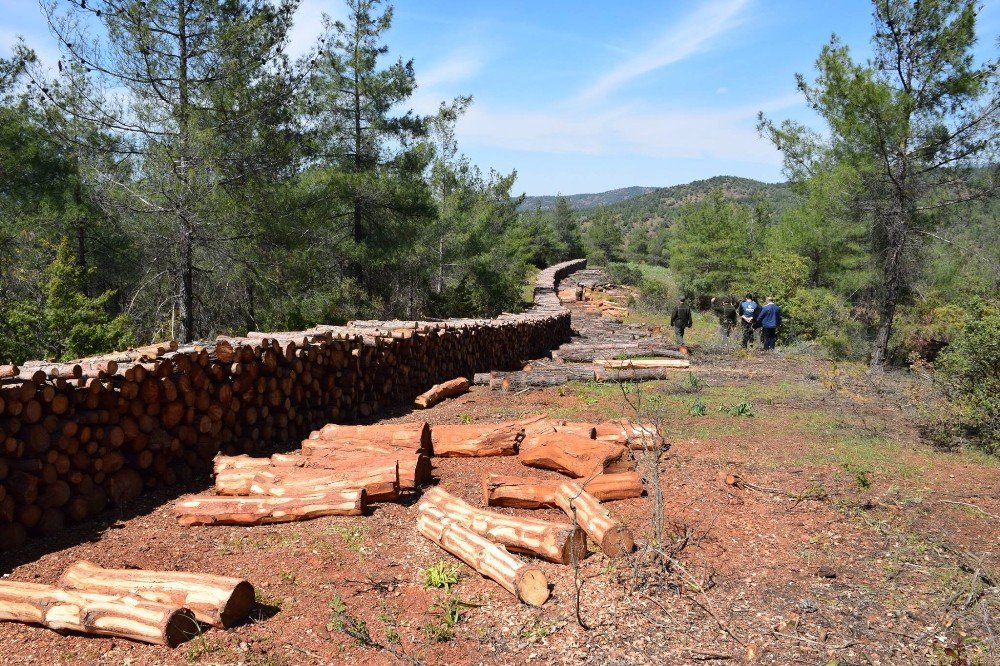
[
  {"x": 77, "y": 436},
  {"x": 158, "y": 607}
]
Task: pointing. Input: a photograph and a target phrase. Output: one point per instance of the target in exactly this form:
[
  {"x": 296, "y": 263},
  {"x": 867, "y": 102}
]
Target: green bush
[
  {"x": 816, "y": 314},
  {"x": 657, "y": 296},
  {"x": 624, "y": 274},
  {"x": 969, "y": 372}
]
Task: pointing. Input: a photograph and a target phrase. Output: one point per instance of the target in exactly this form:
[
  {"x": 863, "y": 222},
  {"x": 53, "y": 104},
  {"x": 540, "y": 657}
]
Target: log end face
[
  {"x": 181, "y": 626},
  {"x": 532, "y": 587},
  {"x": 575, "y": 547},
  {"x": 237, "y": 607},
  {"x": 618, "y": 542}
]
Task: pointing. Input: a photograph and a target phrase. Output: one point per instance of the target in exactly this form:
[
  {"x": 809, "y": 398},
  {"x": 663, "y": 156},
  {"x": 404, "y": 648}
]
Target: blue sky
[{"x": 590, "y": 96}]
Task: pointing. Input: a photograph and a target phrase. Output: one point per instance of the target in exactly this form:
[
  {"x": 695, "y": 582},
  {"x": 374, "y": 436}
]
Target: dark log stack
[{"x": 75, "y": 437}]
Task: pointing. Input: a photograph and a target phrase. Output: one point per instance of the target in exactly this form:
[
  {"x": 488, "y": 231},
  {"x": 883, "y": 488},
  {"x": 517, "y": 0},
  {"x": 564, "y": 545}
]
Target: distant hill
[
  {"x": 662, "y": 204},
  {"x": 585, "y": 201}
]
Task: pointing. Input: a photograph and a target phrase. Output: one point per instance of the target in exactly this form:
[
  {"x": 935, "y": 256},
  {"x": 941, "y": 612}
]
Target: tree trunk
[
  {"x": 555, "y": 542},
  {"x": 219, "y": 601},
  {"x": 611, "y": 535},
  {"x": 526, "y": 582},
  {"x": 439, "y": 392},
  {"x": 414, "y": 437},
  {"x": 574, "y": 455},
  {"x": 97, "y": 614},
  {"x": 379, "y": 481},
  {"x": 477, "y": 440},
  {"x": 213, "y": 510},
  {"x": 523, "y": 492}
]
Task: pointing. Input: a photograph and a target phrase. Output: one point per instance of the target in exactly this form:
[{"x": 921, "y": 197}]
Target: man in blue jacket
[
  {"x": 748, "y": 310},
  {"x": 769, "y": 319}
]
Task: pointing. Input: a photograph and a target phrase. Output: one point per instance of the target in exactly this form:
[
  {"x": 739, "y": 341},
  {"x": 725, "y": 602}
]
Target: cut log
[
  {"x": 219, "y": 601},
  {"x": 477, "y": 440},
  {"x": 524, "y": 581},
  {"x": 234, "y": 474},
  {"x": 98, "y": 614},
  {"x": 555, "y": 542},
  {"x": 414, "y": 437},
  {"x": 415, "y": 470},
  {"x": 612, "y": 536},
  {"x": 574, "y": 455},
  {"x": 637, "y": 436},
  {"x": 523, "y": 492},
  {"x": 380, "y": 483},
  {"x": 439, "y": 392},
  {"x": 612, "y": 364},
  {"x": 213, "y": 510}
]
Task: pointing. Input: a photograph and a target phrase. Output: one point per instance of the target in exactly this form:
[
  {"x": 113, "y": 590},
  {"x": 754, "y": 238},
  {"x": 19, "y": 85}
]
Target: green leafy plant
[
  {"x": 440, "y": 575},
  {"x": 698, "y": 408},
  {"x": 744, "y": 408},
  {"x": 447, "y": 614}
]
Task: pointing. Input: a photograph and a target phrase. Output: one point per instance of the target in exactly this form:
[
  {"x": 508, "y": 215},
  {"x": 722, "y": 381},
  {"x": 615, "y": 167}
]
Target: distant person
[
  {"x": 748, "y": 311},
  {"x": 728, "y": 318},
  {"x": 680, "y": 319},
  {"x": 769, "y": 320}
]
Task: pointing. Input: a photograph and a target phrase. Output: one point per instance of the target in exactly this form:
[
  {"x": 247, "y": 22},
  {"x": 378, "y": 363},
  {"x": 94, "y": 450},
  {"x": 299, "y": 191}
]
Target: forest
[{"x": 178, "y": 175}]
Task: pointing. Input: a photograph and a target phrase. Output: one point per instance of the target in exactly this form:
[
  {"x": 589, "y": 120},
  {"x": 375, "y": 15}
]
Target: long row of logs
[
  {"x": 158, "y": 607},
  {"x": 78, "y": 437}
]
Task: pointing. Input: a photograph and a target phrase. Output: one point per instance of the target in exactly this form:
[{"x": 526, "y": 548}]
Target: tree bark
[
  {"x": 219, "y": 601},
  {"x": 526, "y": 582},
  {"x": 213, "y": 510},
  {"x": 574, "y": 455},
  {"x": 477, "y": 440},
  {"x": 523, "y": 492},
  {"x": 97, "y": 614},
  {"x": 555, "y": 542},
  {"x": 611, "y": 535}
]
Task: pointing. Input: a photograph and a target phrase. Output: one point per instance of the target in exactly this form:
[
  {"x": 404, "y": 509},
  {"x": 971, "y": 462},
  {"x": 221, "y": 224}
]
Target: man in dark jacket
[
  {"x": 748, "y": 311},
  {"x": 726, "y": 312},
  {"x": 769, "y": 319},
  {"x": 680, "y": 319}
]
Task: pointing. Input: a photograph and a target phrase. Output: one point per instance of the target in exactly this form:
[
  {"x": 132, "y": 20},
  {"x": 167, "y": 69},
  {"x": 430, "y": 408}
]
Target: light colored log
[
  {"x": 219, "y": 601},
  {"x": 526, "y": 492},
  {"x": 98, "y": 614},
  {"x": 439, "y": 392},
  {"x": 414, "y": 436},
  {"x": 260, "y": 510},
  {"x": 611, "y": 535},
  {"x": 612, "y": 364},
  {"x": 637, "y": 436},
  {"x": 524, "y": 581},
  {"x": 574, "y": 455},
  {"x": 477, "y": 440},
  {"x": 380, "y": 483},
  {"x": 555, "y": 542}
]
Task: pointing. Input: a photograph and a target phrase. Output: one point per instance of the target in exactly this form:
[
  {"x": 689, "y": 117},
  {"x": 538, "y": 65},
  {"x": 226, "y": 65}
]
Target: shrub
[
  {"x": 624, "y": 274},
  {"x": 969, "y": 372},
  {"x": 820, "y": 315}
]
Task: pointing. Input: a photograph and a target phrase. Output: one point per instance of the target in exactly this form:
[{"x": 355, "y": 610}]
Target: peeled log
[
  {"x": 574, "y": 455},
  {"x": 524, "y": 492},
  {"x": 213, "y": 510},
  {"x": 234, "y": 474},
  {"x": 611, "y": 535},
  {"x": 526, "y": 582},
  {"x": 414, "y": 437},
  {"x": 623, "y": 375},
  {"x": 477, "y": 440},
  {"x": 637, "y": 436},
  {"x": 380, "y": 483},
  {"x": 555, "y": 542},
  {"x": 439, "y": 392},
  {"x": 414, "y": 470},
  {"x": 98, "y": 614},
  {"x": 219, "y": 601}
]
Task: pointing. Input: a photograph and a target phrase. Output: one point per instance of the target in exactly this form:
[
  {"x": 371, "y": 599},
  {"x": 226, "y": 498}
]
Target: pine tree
[
  {"x": 566, "y": 228},
  {"x": 910, "y": 122}
]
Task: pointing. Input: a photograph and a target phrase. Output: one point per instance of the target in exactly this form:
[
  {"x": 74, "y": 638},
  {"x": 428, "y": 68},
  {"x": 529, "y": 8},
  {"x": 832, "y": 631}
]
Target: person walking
[
  {"x": 769, "y": 320},
  {"x": 726, "y": 312},
  {"x": 748, "y": 311},
  {"x": 681, "y": 319}
]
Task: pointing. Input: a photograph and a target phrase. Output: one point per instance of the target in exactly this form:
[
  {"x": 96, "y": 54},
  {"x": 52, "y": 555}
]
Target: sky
[{"x": 584, "y": 96}]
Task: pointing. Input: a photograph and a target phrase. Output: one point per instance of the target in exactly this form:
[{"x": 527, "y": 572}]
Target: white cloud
[
  {"x": 721, "y": 90},
  {"x": 681, "y": 40},
  {"x": 728, "y": 134},
  {"x": 458, "y": 67}
]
